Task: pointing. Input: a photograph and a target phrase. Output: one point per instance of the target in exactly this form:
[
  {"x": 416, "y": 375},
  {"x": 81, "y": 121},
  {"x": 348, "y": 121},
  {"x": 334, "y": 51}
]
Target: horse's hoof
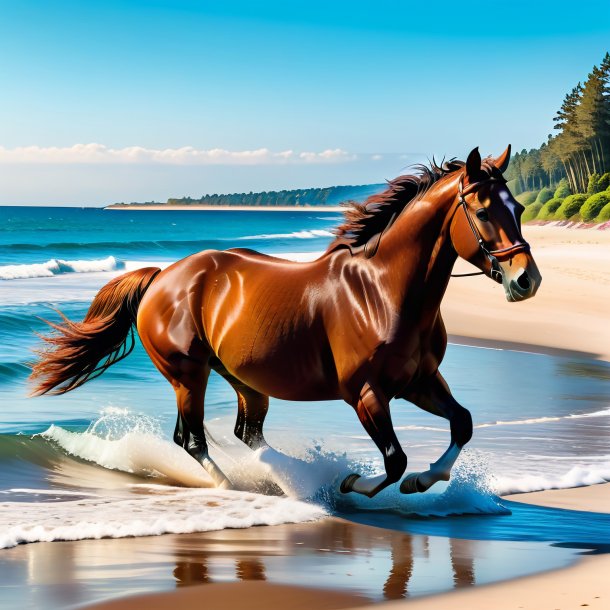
[
  {"x": 348, "y": 483},
  {"x": 411, "y": 485}
]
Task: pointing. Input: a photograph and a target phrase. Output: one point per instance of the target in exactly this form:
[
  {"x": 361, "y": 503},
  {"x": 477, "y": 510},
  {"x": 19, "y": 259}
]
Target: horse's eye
[{"x": 482, "y": 214}]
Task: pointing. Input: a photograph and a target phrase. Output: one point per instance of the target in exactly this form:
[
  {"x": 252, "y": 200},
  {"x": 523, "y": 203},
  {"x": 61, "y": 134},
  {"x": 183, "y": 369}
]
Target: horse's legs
[
  {"x": 189, "y": 432},
  {"x": 434, "y": 396},
  {"x": 252, "y": 409},
  {"x": 374, "y": 413}
]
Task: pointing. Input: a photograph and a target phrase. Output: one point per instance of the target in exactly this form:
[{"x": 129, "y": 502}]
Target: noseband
[{"x": 495, "y": 269}]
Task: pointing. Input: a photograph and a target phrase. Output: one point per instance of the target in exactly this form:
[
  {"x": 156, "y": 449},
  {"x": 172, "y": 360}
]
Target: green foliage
[
  {"x": 571, "y": 206},
  {"x": 563, "y": 189},
  {"x": 593, "y": 206},
  {"x": 581, "y": 144},
  {"x": 604, "y": 182},
  {"x": 333, "y": 195},
  {"x": 531, "y": 212},
  {"x": 547, "y": 211},
  {"x": 544, "y": 195},
  {"x": 527, "y": 198},
  {"x": 593, "y": 186},
  {"x": 604, "y": 215},
  {"x": 514, "y": 186}
]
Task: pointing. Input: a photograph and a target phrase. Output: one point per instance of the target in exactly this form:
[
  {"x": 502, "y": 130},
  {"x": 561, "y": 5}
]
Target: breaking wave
[{"x": 57, "y": 266}]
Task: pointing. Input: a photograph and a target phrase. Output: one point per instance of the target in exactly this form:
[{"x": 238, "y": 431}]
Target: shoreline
[
  {"x": 569, "y": 313},
  {"x": 580, "y": 583},
  {"x": 567, "y": 318},
  {"x": 227, "y": 208}
]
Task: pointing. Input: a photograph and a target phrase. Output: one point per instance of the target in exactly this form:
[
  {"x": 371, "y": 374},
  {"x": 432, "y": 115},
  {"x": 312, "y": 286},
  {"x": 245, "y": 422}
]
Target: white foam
[
  {"x": 544, "y": 420},
  {"x": 66, "y": 287},
  {"x": 578, "y": 476},
  {"x": 138, "y": 452},
  {"x": 175, "y": 510},
  {"x": 57, "y": 266},
  {"x": 305, "y": 234}
]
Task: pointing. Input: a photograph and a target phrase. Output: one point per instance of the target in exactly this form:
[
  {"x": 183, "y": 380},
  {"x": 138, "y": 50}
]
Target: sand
[{"x": 570, "y": 313}]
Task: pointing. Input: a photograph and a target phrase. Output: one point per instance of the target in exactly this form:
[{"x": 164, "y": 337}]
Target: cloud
[{"x": 99, "y": 154}]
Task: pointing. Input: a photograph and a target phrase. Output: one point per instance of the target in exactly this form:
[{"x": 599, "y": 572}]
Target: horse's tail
[{"x": 80, "y": 351}]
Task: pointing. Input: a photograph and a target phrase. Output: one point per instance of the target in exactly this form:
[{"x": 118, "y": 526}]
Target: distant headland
[{"x": 322, "y": 199}]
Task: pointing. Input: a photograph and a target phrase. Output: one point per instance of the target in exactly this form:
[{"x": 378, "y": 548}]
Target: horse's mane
[{"x": 363, "y": 221}]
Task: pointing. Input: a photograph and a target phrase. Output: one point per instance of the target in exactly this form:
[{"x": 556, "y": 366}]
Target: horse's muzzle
[{"x": 520, "y": 277}]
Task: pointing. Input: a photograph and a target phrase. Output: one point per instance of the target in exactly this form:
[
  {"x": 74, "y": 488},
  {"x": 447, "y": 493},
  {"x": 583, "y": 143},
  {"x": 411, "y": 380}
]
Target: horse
[{"x": 361, "y": 323}]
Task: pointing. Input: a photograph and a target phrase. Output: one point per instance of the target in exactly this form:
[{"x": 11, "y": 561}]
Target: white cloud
[{"x": 99, "y": 154}]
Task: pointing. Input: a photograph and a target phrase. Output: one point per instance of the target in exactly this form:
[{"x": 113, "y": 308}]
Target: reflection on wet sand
[{"x": 334, "y": 554}]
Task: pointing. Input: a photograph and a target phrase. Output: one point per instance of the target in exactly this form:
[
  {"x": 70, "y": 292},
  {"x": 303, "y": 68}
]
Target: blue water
[
  {"x": 108, "y": 444},
  {"x": 36, "y": 234}
]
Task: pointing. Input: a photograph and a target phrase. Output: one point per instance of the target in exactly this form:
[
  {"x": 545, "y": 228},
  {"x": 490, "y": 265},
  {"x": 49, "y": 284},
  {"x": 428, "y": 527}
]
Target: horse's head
[{"x": 486, "y": 227}]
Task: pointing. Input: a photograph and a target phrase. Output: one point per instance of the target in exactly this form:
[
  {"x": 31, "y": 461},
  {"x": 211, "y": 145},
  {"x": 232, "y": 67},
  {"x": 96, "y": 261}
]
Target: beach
[
  {"x": 225, "y": 208},
  {"x": 569, "y": 313},
  {"x": 352, "y": 557}
]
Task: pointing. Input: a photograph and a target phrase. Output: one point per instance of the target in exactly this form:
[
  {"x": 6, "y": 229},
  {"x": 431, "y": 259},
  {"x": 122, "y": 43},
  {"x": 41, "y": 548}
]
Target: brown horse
[{"x": 361, "y": 323}]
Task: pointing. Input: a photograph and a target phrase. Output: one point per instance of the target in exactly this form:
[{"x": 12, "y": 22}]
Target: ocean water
[{"x": 99, "y": 462}]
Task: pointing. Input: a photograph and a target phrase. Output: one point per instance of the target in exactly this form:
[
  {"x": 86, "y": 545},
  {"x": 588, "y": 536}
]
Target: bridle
[{"x": 495, "y": 269}]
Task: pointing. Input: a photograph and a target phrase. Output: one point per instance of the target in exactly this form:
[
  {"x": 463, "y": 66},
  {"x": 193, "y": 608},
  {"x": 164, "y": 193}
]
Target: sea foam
[
  {"x": 57, "y": 266},
  {"x": 153, "y": 511},
  {"x": 304, "y": 234}
]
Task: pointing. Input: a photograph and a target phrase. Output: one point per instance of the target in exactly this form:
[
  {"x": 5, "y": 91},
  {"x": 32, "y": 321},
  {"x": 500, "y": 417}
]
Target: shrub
[
  {"x": 571, "y": 205},
  {"x": 593, "y": 186},
  {"x": 563, "y": 189},
  {"x": 604, "y": 182},
  {"x": 604, "y": 215},
  {"x": 531, "y": 212},
  {"x": 593, "y": 206},
  {"x": 527, "y": 197},
  {"x": 544, "y": 195},
  {"x": 547, "y": 212}
]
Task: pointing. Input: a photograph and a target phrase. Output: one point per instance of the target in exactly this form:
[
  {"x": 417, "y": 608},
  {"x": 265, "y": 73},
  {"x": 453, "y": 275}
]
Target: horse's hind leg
[
  {"x": 252, "y": 409},
  {"x": 374, "y": 413},
  {"x": 434, "y": 396},
  {"x": 189, "y": 432}
]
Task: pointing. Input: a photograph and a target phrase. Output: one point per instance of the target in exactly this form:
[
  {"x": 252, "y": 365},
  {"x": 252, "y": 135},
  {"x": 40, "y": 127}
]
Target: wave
[
  {"x": 57, "y": 266},
  {"x": 305, "y": 234},
  {"x": 544, "y": 420},
  {"x": 170, "y": 510},
  {"x": 578, "y": 476},
  {"x": 172, "y": 247}
]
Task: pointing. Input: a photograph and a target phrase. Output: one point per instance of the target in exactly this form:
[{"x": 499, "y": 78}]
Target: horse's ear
[
  {"x": 473, "y": 164},
  {"x": 502, "y": 161}
]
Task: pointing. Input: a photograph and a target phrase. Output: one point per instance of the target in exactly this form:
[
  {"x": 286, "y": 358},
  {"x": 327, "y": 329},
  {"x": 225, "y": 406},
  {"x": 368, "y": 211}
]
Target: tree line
[
  {"x": 581, "y": 146},
  {"x": 332, "y": 195}
]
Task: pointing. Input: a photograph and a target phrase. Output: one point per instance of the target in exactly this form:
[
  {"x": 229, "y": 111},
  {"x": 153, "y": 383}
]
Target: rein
[{"x": 495, "y": 269}]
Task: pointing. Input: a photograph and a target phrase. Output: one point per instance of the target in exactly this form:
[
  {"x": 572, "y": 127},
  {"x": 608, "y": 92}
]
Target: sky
[{"x": 145, "y": 100}]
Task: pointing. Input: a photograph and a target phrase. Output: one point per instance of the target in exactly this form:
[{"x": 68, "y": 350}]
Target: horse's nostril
[{"x": 524, "y": 281}]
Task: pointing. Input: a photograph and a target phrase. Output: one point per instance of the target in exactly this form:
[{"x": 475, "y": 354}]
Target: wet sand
[{"x": 341, "y": 564}]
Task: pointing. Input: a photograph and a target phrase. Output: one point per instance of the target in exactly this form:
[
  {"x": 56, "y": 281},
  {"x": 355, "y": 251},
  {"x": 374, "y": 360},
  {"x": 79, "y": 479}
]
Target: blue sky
[{"x": 362, "y": 88}]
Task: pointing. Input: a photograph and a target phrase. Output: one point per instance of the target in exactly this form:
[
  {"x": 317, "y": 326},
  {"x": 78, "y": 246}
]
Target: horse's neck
[{"x": 417, "y": 252}]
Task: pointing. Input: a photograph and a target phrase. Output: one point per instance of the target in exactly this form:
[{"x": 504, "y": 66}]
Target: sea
[{"x": 99, "y": 462}]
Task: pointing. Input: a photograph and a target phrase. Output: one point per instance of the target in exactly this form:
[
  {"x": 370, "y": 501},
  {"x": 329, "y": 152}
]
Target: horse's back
[{"x": 249, "y": 310}]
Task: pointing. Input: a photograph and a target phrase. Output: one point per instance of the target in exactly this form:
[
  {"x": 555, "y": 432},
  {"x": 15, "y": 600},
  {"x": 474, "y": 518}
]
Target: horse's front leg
[
  {"x": 433, "y": 395},
  {"x": 374, "y": 413}
]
